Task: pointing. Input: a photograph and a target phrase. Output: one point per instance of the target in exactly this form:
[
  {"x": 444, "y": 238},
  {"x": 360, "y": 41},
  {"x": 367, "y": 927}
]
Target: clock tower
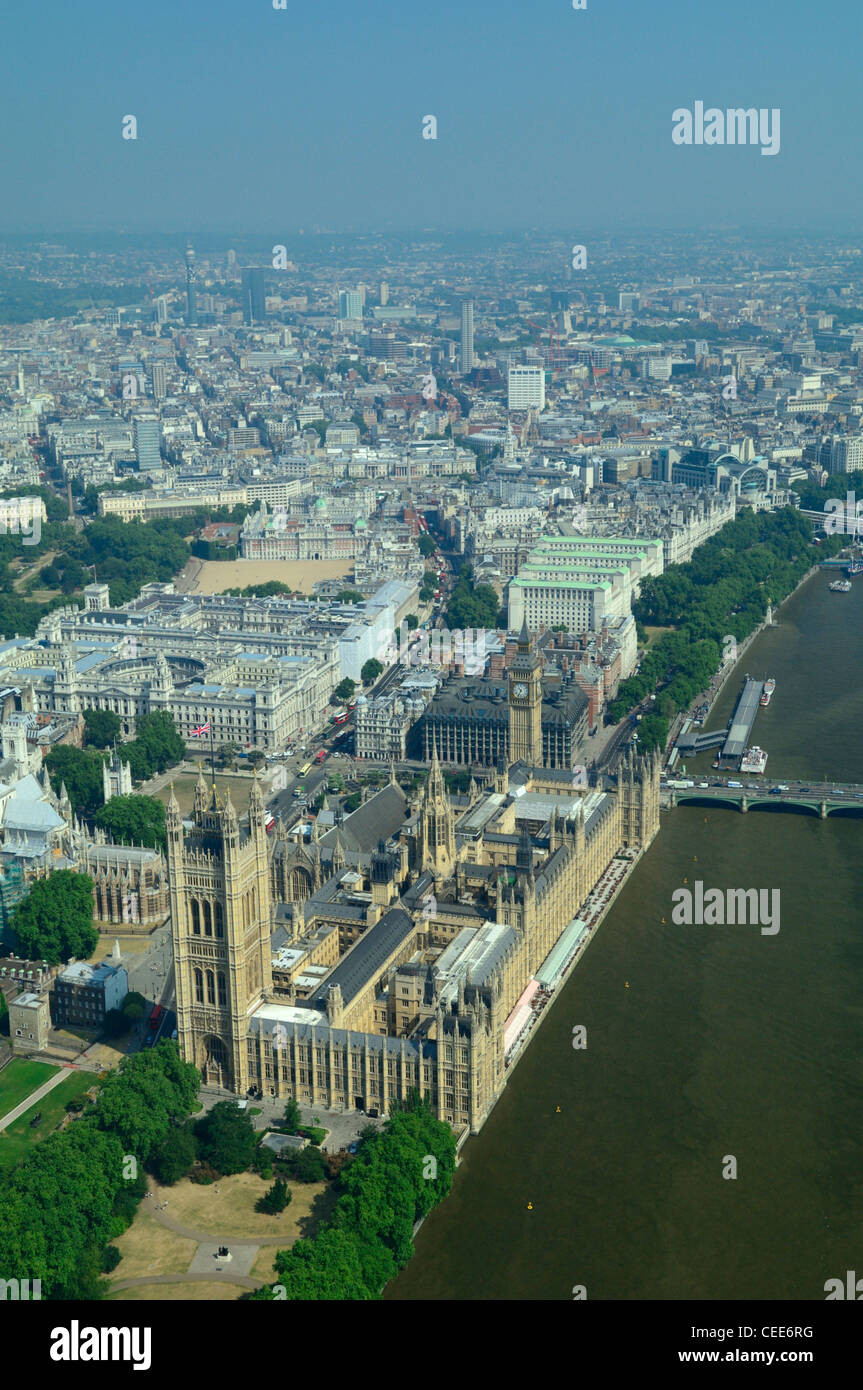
[{"x": 525, "y": 704}]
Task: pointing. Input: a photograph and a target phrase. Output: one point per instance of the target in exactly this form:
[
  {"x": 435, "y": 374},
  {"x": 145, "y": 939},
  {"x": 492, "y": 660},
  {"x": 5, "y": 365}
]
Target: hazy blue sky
[{"x": 262, "y": 120}]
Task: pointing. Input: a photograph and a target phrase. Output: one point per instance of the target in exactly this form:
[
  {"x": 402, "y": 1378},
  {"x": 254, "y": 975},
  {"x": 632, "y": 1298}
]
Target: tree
[
  {"x": 275, "y": 1199},
  {"x": 134, "y": 820},
  {"x": 55, "y": 920},
  {"x": 426, "y": 545},
  {"x": 370, "y": 671},
  {"x": 81, "y": 773},
  {"x": 293, "y": 1118},
  {"x": 309, "y": 1165},
  {"x": 134, "y": 1006},
  {"x": 116, "y": 1023},
  {"x": 101, "y": 727},
  {"x": 412, "y": 621},
  {"x": 156, "y": 745},
  {"x": 227, "y": 754},
  {"x": 226, "y": 1139},
  {"x": 345, "y": 689},
  {"x": 152, "y": 1090},
  {"x": 175, "y": 1155}
]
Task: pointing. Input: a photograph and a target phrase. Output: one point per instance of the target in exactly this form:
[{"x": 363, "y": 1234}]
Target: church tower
[
  {"x": 525, "y": 704},
  {"x": 220, "y": 918},
  {"x": 436, "y": 829}
]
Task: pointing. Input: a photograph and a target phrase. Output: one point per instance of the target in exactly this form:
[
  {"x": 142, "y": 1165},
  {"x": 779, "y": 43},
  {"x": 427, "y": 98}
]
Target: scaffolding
[{"x": 12, "y": 890}]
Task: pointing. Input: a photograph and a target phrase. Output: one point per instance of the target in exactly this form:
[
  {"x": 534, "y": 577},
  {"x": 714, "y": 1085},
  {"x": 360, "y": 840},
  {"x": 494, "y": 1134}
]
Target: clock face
[{"x": 519, "y": 690}]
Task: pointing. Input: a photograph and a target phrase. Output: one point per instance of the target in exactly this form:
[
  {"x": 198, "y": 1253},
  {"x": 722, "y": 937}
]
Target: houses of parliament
[{"x": 391, "y": 952}]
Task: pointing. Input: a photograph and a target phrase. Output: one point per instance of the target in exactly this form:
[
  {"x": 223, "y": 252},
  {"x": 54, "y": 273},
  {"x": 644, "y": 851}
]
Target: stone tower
[
  {"x": 525, "y": 704},
  {"x": 436, "y": 829},
  {"x": 220, "y": 916}
]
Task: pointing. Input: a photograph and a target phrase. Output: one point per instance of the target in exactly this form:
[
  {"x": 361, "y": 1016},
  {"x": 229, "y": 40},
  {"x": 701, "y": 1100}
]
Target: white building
[{"x": 526, "y": 388}]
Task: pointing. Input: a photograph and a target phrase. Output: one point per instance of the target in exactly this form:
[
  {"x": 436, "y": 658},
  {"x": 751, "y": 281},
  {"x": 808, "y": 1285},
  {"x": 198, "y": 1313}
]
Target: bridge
[{"x": 815, "y": 798}]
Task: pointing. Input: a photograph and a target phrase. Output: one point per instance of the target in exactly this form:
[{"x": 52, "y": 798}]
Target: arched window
[
  {"x": 223, "y": 994},
  {"x": 199, "y": 986},
  {"x": 219, "y": 918},
  {"x": 196, "y": 918},
  {"x": 211, "y": 988},
  {"x": 254, "y": 902},
  {"x": 208, "y": 922}
]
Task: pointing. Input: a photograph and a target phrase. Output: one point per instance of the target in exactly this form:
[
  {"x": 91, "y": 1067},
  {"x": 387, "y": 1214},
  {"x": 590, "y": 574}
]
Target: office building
[
  {"x": 160, "y": 380},
  {"x": 467, "y": 357},
  {"x": 254, "y": 297},
  {"x": 147, "y": 441},
  {"x": 350, "y": 304},
  {"x": 526, "y": 388}
]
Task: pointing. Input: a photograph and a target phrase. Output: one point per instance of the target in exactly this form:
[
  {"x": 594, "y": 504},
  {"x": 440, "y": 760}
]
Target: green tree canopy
[
  {"x": 174, "y": 1156},
  {"x": 101, "y": 727},
  {"x": 345, "y": 689},
  {"x": 226, "y": 1139},
  {"x": 370, "y": 671},
  {"x": 55, "y": 920},
  {"x": 134, "y": 820},
  {"x": 81, "y": 772}
]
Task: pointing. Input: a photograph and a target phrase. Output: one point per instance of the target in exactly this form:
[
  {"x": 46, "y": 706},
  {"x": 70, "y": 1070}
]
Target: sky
[{"x": 269, "y": 121}]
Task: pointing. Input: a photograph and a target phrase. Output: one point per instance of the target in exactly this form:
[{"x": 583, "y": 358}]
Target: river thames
[{"x": 603, "y": 1167}]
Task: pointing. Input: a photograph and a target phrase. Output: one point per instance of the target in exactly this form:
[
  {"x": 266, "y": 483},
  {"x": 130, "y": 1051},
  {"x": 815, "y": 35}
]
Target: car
[
  {"x": 352, "y": 1148},
  {"x": 702, "y": 784}
]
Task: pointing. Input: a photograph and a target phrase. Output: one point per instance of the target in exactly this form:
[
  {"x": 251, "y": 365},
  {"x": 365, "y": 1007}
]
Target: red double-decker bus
[
  {"x": 155, "y": 1017},
  {"x": 320, "y": 755}
]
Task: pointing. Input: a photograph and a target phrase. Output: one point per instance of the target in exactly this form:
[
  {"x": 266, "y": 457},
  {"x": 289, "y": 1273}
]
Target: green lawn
[
  {"x": 17, "y": 1139},
  {"x": 20, "y": 1078}
]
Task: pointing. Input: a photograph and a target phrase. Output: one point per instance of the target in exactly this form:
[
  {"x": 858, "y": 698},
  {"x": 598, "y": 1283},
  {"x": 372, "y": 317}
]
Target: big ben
[{"x": 525, "y": 704}]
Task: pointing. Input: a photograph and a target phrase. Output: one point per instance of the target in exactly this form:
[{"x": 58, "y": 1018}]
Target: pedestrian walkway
[{"x": 34, "y": 1096}]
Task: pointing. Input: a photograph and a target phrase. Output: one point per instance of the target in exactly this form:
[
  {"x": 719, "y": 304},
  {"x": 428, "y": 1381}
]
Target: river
[{"x": 603, "y": 1167}]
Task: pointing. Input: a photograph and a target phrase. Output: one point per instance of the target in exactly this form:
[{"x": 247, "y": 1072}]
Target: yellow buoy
[
  {"x": 626, "y": 982},
  {"x": 663, "y": 921},
  {"x": 686, "y": 880},
  {"x": 530, "y": 1206},
  {"x": 695, "y": 858}
]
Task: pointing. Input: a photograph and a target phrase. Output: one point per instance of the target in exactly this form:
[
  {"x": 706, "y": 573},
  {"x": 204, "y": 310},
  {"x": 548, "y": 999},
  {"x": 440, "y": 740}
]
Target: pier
[{"x": 735, "y": 739}]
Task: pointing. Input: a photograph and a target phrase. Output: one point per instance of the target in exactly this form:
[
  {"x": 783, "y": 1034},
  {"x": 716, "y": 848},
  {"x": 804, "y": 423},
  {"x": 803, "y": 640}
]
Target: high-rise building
[
  {"x": 526, "y": 388},
  {"x": 191, "y": 285},
  {"x": 384, "y": 294},
  {"x": 161, "y": 309},
  {"x": 254, "y": 296},
  {"x": 467, "y": 357},
  {"x": 160, "y": 380},
  {"x": 232, "y": 261},
  {"x": 350, "y": 304},
  {"x": 147, "y": 439}
]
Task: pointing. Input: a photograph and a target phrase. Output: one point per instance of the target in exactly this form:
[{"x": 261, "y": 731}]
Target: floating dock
[{"x": 742, "y": 721}]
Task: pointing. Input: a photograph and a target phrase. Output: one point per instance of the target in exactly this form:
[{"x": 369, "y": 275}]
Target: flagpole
[{"x": 212, "y": 755}]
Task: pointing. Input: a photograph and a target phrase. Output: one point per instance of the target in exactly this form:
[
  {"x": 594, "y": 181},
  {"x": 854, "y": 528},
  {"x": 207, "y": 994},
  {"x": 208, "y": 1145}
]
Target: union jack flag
[{"x": 201, "y": 730}]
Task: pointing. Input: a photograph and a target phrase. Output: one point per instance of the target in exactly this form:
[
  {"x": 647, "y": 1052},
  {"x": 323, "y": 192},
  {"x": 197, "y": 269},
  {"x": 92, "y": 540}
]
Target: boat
[
  {"x": 767, "y": 693},
  {"x": 839, "y": 586},
  {"x": 855, "y": 567},
  {"x": 753, "y": 760}
]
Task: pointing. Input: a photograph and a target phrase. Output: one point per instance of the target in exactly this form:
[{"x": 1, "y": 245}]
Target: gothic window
[
  {"x": 219, "y": 918},
  {"x": 211, "y": 990},
  {"x": 208, "y": 921},
  {"x": 196, "y": 918},
  {"x": 199, "y": 986},
  {"x": 223, "y": 996}
]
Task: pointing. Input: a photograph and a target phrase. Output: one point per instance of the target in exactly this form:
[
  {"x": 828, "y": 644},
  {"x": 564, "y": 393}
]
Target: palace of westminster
[{"x": 391, "y": 952}]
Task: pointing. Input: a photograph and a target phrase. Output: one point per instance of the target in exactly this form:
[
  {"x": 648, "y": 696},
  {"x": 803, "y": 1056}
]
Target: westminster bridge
[{"x": 815, "y": 798}]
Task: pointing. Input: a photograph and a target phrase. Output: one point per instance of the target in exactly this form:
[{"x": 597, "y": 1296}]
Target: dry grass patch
[
  {"x": 188, "y": 1292},
  {"x": 217, "y": 575},
  {"x": 148, "y": 1248},
  {"x": 184, "y": 790},
  {"x": 231, "y": 1210}
]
